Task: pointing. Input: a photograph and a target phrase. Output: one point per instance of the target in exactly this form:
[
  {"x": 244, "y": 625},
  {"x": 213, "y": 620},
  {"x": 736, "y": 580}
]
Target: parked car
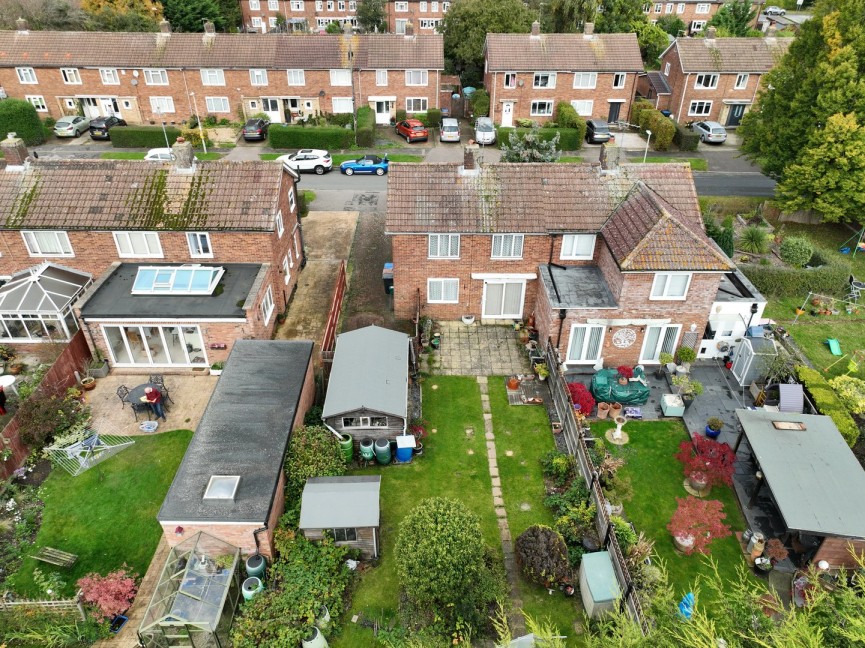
[
  {"x": 255, "y": 129},
  {"x": 366, "y": 164},
  {"x": 413, "y": 130},
  {"x": 597, "y": 131},
  {"x": 485, "y": 131},
  {"x": 772, "y": 10},
  {"x": 710, "y": 131},
  {"x": 100, "y": 126},
  {"x": 450, "y": 130},
  {"x": 159, "y": 155},
  {"x": 71, "y": 126},
  {"x": 315, "y": 160}
]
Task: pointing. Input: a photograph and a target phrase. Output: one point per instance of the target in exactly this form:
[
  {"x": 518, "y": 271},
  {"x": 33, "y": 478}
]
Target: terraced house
[
  {"x": 154, "y": 77},
  {"x": 612, "y": 260},
  {"x": 186, "y": 257},
  {"x": 694, "y": 13},
  {"x": 526, "y": 75}
]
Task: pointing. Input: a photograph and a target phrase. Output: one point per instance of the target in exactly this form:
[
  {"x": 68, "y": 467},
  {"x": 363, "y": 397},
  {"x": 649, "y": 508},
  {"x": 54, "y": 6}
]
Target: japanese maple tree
[
  {"x": 699, "y": 521},
  {"x": 625, "y": 371},
  {"x": 582, "y": 397},
  {"x": 705, "y": 456},
  {"x": 111, "y": 594}
]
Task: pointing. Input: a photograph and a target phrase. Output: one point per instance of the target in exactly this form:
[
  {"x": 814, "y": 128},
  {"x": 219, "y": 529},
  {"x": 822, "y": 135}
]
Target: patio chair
[
  {"x": 122, "y": 393},
  {"x": 140, "y": 408},
  {"x": 159, "y": 381}
]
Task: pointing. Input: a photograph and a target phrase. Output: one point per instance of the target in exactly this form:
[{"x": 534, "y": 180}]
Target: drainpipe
[
  {"x": 562, "y": 315},
  {"x": 255, "y": 537},
  {"x": 338, "y": 435},
  {"x": 552, "y": 245}
]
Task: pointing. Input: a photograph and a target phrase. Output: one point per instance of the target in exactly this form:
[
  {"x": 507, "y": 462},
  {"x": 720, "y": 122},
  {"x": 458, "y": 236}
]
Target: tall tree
[
  {"x": 672, "y": 24},
  {"x": 735, "y": 19},
  {"x": 569, "y": 16},
  {"x": 110, "y": 19},
  {"x": 652, "y": 41},
  {"x": 619, "y": 16},
  {"x": 42, "y": 15},
  {"x": 371, "y": 15},
  {"x": 189, "y": 15},
  {"x": 466, "y": 25}
]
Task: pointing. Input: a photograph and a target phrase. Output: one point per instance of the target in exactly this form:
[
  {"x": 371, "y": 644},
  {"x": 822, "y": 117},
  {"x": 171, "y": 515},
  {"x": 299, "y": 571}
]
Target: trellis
[{"x": 83, "y": 455}]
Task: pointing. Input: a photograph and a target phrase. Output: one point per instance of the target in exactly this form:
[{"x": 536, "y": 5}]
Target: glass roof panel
[
  {"x": 179, "y": 280},
  {"x": 46, "y": 289}
]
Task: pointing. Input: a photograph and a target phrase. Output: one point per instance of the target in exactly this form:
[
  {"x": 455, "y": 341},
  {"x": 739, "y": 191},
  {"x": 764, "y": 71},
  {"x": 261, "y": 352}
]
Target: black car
[
  {"x": 597, "y": 131},
  {"x": 100, "y": 126},
  {"x": 255, "y": 129}
]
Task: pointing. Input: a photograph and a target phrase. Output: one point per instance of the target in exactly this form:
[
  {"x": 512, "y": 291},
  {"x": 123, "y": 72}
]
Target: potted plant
[
  {"x": 685, "y": 356},
  {"x": 713, "y": 427},
  {"x": 706, "y": 463},
  {"x": 696, "y": 523},
  {"x": 224, "y": 561},
  {"x": 216, "y": 368},
  {"x": 665, "y": 360},
  {"x": 603, "y": 410},
  {"x": 689, "y": 388},
  {"x": 775, "y": 551},
  {"x": 98, "y": 366},
  {"x": 468, "y": 319},
  {"x": 16, "y": 368},
  {"x": 625, "y": 374},
  {"x": 581, "y": 397},
  {"x": 542, "y": 370}
]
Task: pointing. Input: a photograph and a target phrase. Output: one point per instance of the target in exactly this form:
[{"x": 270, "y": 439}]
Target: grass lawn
[
  {"x": 725, "y": 205},
  {"x": 697, "y": 164},
  {"x": 107, "y": 515},
  {"x": 570, "y": 158},
  {"x": 129, "y": 155},
  {"x": 657, "y": 479},
  {"x": 446, "y": 469},
  {"x": 339, "y": 158}
]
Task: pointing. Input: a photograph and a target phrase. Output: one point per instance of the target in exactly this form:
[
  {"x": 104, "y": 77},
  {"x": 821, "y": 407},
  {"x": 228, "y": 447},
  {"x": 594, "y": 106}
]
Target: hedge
[
  {"x": 569, "y": 138},
  {"x": 663, "y": 128},
  {"x": 567, "y": 117},
  {"x": 143, "y": 136},
  {"x": 322, "y": 137},
  {"x": 685, "y": 138},
  {"x": 400, "y": 114},
  {"x": 637, "y": 108},
  {"x": 19, "y": 117},
  {"x": 829, "y": 277},
  {"x": 827, "y": 402},
  {"x": 480, "y": 103},
  {"x": 432, "y": 118},
  {"x": 365, "y": 127}
]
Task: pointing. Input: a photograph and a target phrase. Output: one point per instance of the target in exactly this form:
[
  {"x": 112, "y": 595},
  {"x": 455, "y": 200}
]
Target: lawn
[
  {"x": 697, "y": 164},
  {"x": 131, "y": 155},
  {"x": 729, "y": 205},
  {"x": 570, "y": 158},
  {"x": 657, "y": 479},
  {"x": 107, "y": 515}
]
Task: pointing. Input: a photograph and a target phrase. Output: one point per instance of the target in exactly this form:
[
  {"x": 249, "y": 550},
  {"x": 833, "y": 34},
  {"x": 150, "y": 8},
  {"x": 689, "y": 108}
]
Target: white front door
[
  {"x": 91, "y": 107},
  {"x": 507, "y": 114},
  {"x": 503, "y": 299},
  {"x": 382, "y": 112},
  {"x": 271, "y": 108},
  {"x": 659, "y": 339},
  {"x": 109, "y": 106}
]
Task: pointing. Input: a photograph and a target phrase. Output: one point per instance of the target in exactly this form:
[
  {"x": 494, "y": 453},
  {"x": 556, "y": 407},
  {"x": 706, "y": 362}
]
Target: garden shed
[
  {"x": 367, "y": 394},
  {"x": 750, "y": 357},
  {"x": 814, "y": 479},
  {"x": 599, "y": 586},
  {"x": 347, "y": 507}
]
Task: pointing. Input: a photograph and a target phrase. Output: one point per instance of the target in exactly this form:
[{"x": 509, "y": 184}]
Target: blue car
[{"x": 366, "y": 164}]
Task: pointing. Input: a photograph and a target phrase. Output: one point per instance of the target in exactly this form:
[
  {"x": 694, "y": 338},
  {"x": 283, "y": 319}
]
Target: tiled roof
[
  {"x": 530, "y": 198},
  {"x": 645, "y": 232},
  {"x": 659, "y": 83},
  {"x": 566, "y": 52},
  {"x": 731, "y": 54},
  {"x": 108, "y": 194},
  {"x": 231, "y": 51}
]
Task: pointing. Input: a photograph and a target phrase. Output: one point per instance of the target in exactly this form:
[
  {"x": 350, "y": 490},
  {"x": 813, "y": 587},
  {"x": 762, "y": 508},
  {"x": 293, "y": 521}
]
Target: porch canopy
[{"x": 815, "y": 479}]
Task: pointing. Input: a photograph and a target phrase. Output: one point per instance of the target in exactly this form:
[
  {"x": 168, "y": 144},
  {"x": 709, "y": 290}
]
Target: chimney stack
[
  {"x": 209, "y": 32},
  {"x": 22, "y": 26},
  {"x": 409, "y": 30},
  {"x": 164, "y": 26},
  {"x": 470, "y": 165},
  {"x": 610, "y": 155},
  {"x": 588, "y": 29},
  {"x": 15, "y": 152},
  {"x": 771, "y": 32},
  {"x": 184, "y": 159},
  {"x": 711, "y": 32},
  {"x": 536, "y": 29}
]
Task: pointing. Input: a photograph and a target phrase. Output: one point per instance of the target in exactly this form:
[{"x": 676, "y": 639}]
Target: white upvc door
[
  {"x": 382, "y": 112},
  {"x": 503, "y": 299},
  {"x": 507, "y": 114},
  {"x": 271, "y": 107},
  {"x": 659, "y": 339}
]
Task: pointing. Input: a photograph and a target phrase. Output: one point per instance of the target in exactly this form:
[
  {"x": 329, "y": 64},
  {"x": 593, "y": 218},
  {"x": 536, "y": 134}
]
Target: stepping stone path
[{"x": 516, "y": 620}]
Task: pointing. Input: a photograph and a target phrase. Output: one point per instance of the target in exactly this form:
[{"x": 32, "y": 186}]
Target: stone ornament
[{"x": 623, "y": 338}]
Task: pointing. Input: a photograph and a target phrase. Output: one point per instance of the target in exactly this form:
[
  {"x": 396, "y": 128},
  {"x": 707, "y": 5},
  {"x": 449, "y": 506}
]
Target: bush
[
  {"x": 567, "y": 117},
  {"x": 827, "y": 402},
  {"x": 753, "y": 239},
  {"x": 828, "y": 277},
  {"x": 432, "y": 118},
  {"x": 625, "y": 533},
  {"x": 685, "y": 138},
  {"x": 20, "y": 117},
  {"x": 638, "y": 108},
  {"x": 193, "y": 136},
  {"x": 297, "y": 137},
  {"x": 143, "y": 136},
  {"x": 699, "y": 520},
  {"x": 663, "y": 129},
  {"x": 580, "y": 395},
  {"x": 400, "y": 115},
  {"x": 111, "y": 594},
  {"x": 480, "y": 103},
  {"x": 560, "y": 467},
  {"x": 365, "y": 127},
  {"x": 851, "y": 392},
  {"x": 44, "y": 416},
  {"x": 314, "y": 452},
  {"x": 542, "y": 555},
  {"x": 569, "y": 138},
  {"x": 796, "y": 250},
  {"x": 343, "y": 119}
]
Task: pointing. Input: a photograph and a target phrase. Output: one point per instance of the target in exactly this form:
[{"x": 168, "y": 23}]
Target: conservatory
[
  {"x": 195, "y": 598},
  {"x": 36, "y": 304}
]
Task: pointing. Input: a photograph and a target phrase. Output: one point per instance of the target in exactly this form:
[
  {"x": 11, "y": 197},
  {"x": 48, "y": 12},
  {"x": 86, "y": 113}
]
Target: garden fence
[
  {"x": 61, "y": 605},
  {"x": 328, "y": 344},
  {"x": 576, "y": 446}
]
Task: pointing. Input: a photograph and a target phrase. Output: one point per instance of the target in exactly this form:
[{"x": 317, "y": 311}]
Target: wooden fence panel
[{"x": 328, "y": 343}]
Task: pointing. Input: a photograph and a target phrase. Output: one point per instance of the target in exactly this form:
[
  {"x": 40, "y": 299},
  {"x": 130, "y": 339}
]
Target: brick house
[
  {"x": 714, "y": 79},
  {"x": 91, "y": 215},
  {"x": 154, "y": 77},
  {"x": 526, "y": 75},
  {"x": 694, "y": 13},
  {"x": 612, "y": 260}
]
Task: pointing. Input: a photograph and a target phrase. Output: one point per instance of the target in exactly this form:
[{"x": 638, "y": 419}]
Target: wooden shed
[
  {"x": 367, "y": 394},
  {"x": 347, "y": 507}
]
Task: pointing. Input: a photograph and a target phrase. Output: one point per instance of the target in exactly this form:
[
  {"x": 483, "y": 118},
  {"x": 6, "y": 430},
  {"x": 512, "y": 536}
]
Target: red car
[{"x": 413, "y": 130}]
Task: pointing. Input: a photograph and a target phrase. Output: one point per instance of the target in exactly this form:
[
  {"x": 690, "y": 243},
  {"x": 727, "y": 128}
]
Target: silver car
[
  {"x": 450, "y": 130},
  {"x": 710, "y": 131},
  {"x": 485, "y": 131},
  {"x": 71, "y": 126}
]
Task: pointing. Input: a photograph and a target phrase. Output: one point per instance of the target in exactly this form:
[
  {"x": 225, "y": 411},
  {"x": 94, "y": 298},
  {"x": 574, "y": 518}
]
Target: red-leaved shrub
[
  {"x": 625, "y": 371},
  {"x": 708, "y": 457},
  {"x": 111, "y": 594},
  {"x": 699, "y": 520},
  {"x": 582, "y": 397}
]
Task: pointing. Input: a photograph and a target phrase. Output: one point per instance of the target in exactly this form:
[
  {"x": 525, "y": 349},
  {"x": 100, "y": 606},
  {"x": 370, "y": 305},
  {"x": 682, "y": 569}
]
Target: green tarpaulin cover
[{"x": 606, "y": 388}]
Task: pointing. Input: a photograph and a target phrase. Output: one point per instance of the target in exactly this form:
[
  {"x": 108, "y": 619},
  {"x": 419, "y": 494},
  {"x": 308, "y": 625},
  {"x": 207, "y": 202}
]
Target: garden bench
[{"x": 56, "y": 557}]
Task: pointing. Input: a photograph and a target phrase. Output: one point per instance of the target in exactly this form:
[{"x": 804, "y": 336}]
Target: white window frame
[
  {"x": 297, "y": 5},
  {"x": 711, "y": 77},
  {"x": 666, "y": 69},
  {"x": 415, "y": 105},
  {"x": 70, "y": 103},
  {"x": 149, "y": 239},
  {"x": 695, "y": 106},
  {"x": 434, "y": 6},
  {"x": 620, "y": 79},
  {"x": 340, "y": 77},
  {"x": 417, "y": 77},
  {"x": 585, "y": 80},
  {"x": 109, "y": 76},
  {"x": 340, "y": 5},
  {"x": 659, "y": 345},
  {"x": 703, "y": 8},
  {"x": 38, "y": 102},
  {"x": 661, "y": 283},
  {"x": 658, "y": 7},
  {"x": 434, "y": 246},
  {"x": 381, "y": 78},
  {"x": 296, "y": 77},
  {"x": 400, "y": 25},
  {"x": 510, "y": 80},
  {"x": 162, "y": 105},
  {"x": 647, "y": 8},
  {"x": 535, "y": 110},
  {"x": 330, "y": 5},
  {"x": 194, "y": 240},
  {"x": 286, "y": 267},
  {"x": 539, "y": 76},
  {"x": 223, "y": 105},
  {"x": 256, "y": 24},
  {"x": 742, "y": 81},
  {"x": 267, "y": 306},
  {"x": 342, "y": 105},
  {"x": 271, "y": 22},
  {"x": 255, "y": 5},
  {"x": 155, "y": 76},
  {"x": 680, "y": 8},
  {"x": 443, "y": 282},
  {"x": 572, "y": 243},
  {"x": 61, "y": 239},
  {"x": 26, "y": 75},
  {"x": 668, "y": 8},
  {"x": 445, "y": 6},
  {"x": 70, "y": 76},
  {"x": 697, "y": 25},
  {"x": 510, "y": 246},
  {"x": 273, "y": 5},
  {"x": 258, "y": 77},
  {"x": 584, "y": 107},
  {"x": 400, "y": 6},
  {"x": 583, "y": 356},
  {"x": 212, "y": 77},
  {"x": 422, "y": 6},
  {"x": 319, "y": 5},
  {"x": 278, "y": 225},
  {"x": 292, "y": 201},
  {"x": 429, "y": 23},
  {"x": 345, "y": 534},
  {"x": 352, "y": 6}
]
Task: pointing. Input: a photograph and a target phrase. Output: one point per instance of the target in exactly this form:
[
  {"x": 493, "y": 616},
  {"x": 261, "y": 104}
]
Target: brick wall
[
  {"x": 433, "y": 11},
  {"x": 396, "y": 86},
  {"x": 684, "y": 11}
]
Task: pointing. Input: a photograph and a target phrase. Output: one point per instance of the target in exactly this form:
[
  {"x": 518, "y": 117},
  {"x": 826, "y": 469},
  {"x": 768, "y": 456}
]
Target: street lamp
[
  {"x": 200, "y": 129},
  {"x": 648, "y": 139},
  {"x": 164, "y": 133}
]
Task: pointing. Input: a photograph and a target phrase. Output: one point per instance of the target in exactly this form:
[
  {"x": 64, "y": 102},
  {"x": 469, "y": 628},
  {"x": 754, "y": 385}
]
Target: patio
[
  {"x": 475, "y": 350},
  {"x": 190, "y": 394}
]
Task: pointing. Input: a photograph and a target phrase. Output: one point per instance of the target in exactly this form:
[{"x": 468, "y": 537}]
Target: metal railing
[{"x": 576, "y": 446}]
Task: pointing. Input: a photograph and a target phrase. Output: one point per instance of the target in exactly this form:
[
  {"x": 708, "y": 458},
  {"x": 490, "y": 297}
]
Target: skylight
[
  {"x": 177, "y": 280},
  {"x": 222, "y": 487}
]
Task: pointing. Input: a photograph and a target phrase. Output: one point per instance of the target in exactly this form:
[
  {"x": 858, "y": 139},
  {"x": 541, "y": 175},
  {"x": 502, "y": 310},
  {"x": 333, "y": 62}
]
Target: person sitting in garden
[{"x": 154, "y": 399}]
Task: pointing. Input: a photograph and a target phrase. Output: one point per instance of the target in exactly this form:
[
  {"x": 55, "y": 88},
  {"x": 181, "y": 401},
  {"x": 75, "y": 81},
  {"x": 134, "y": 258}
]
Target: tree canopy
[
  {"x": 371, "y": 15},
  {"x": 189, "y": 15},
  {"x": 735, "y": 19},
  {"x": 672, "y": 24},
  {"x": 569, "y": 16},
  {"x": 620, "y": 16}
]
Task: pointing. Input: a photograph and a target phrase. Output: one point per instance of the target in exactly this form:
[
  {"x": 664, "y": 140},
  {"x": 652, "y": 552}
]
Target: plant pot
[
  {"x": 513, "y": 383},
  {"x": 659, "y": 373},
  {"x": 542, "y": 378},
  {"x": 17, "y": 368},
  {"x": 557, "y": 427},
  {"x": 712, "y": 434},
  {"x": 88, "y": 383},
  {"x": 698, "y": 481},
  {"x": 468, "y": 319},
  {"x": 623, "y": 381},
  {"x": 615, "y": 409},
  {"x": 687, "y": 399},
  {"x": 100, "y": 371},
  {"x": 418, "y": 449},
  {"x": 216, "y": 372},
  {"x": 603, "y": 410},
  {"x": 683, "y": 544}
]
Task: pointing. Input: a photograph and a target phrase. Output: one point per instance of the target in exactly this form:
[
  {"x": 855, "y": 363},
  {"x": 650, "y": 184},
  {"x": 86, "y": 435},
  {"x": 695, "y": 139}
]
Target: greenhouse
[{"x": 195, "y": 598}]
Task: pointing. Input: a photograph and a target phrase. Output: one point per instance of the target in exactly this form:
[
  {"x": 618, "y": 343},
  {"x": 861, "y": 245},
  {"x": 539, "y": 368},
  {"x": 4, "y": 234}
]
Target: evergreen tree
[
  {"x": 189, "y": 15},
  {"x": 371, "y": 15},
  {"x": 620, "y": 16},
  {"x": 530, "y": 147},
  {"x": 652, "y": 41},
  {"x": 673, "y": 25},
  {"x": 735, "y": 19},
  {"x": 569, "y": 16}
]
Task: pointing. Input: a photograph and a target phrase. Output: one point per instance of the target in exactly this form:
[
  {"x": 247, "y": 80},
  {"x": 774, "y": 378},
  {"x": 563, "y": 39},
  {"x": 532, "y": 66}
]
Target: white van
[{"x": 485, "y": 131}]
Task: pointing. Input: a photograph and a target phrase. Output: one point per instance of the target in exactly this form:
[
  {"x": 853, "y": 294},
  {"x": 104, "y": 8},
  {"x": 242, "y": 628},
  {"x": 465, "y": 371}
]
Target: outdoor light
[
  {"x": 648, "y": 139},
  {"x": 754, "y": 309}
]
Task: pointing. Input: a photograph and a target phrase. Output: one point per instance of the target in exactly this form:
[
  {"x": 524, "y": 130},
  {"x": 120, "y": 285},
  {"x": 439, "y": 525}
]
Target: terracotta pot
[
  {"x": 88, "y": 383},
  {"x": 513, "y": 383},
  {"x": 623, "y": 380},
  {"x": 603, "y": 410},
  {"x": 616, "y": 409}
]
